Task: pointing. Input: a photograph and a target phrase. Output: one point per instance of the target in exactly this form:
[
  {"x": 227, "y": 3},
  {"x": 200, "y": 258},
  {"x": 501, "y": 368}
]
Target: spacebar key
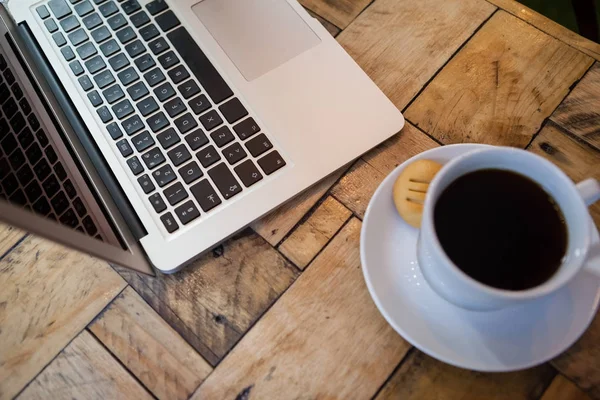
[{"x": 201, "y": 67}]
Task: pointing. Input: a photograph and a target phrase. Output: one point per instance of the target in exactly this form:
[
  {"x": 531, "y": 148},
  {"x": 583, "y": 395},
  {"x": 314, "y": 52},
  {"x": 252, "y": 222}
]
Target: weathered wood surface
[
  {"x": 563, "y": 389},
  {"x": 314, "y": 233},
  {"x": 500, "y": 87},
  {"x": 84, "y": 370},
  {"x": 331, "y": 28},
  {"x": 149, "y": 348},
  {"x": 338, "y": 12},
  {"x": 579, "y": 113},
  {"x": 48, "y": 294},
  {"x": 323, "y": 339},
  {"x": 9, "y": 236},
  {"x": 422, "y": 377}
]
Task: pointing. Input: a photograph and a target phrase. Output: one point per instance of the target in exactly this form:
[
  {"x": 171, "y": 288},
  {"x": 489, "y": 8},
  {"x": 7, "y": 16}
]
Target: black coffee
[{"x": 501, "y": 229}]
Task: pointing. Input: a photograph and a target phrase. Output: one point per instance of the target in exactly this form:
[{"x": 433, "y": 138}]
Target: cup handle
[{"x": 589, "y": 190}]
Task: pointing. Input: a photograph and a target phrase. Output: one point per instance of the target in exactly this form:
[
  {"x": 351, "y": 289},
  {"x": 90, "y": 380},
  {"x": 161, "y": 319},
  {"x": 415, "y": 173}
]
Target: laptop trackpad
[{"x": 257, "y": 35}]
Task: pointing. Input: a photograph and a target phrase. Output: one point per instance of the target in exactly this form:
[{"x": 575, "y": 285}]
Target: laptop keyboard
[
  {"x": 188, "y": 141},
  {"x": 31, "y": 174}
]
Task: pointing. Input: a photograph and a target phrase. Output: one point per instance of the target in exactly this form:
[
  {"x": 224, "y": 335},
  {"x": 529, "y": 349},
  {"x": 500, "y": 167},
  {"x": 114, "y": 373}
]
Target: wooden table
[{"x": 281, "y": 310}]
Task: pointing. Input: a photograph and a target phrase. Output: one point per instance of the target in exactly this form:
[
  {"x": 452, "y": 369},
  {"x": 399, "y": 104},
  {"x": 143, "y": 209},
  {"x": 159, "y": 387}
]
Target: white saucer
[{"x": 505, "y": 340}]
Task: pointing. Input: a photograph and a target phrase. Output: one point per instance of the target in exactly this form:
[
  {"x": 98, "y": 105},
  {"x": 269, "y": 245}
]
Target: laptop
[{"x": 146, "y": 132}]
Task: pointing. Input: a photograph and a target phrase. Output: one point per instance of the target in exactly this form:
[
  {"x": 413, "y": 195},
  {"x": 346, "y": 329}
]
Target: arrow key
[{"x": 248, "y": 173}]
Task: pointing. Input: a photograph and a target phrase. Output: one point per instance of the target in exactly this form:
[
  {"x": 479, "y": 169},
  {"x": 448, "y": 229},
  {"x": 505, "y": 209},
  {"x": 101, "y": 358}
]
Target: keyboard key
[
  {"x": 59, "y": 39},
  {"x": 10, "y": 184},
  {"x": 142, "y": 141},
  {"x": 164, "y": 175},
  {"x": 187, "y": 212},
  {"x": 157, "y": 203},
  {"x": 123, "y": 109},
  {"x": 211, "y": 120},
  {"x": 99, "y": 1},
  {"x": 271, "y": 162},
  {"x": 206, "y": 196},
  {"x": 199, "y": 104},
  {"x": 167, "y": 21},
  {"x": 135, "y": 165},
  {"x": 25, "y": 106},
  {"x": 158, "y": 46},
  {"x": 51, "y": 25},
  {"x": 70, "y": 189},
  {"x": 113, "y": 94},
  {"x": 26, "y": 138},
  {"x": 196, "y": 139},
  {"x": 149, "y": 32},
  {"x": 201, "y": 67},
  {"x": 139, "y": 19},
  {"x": 156, "y": 6},
  {"x": 95, "y": 64},
  {"x": 90, "y": 227},
  {"x": 175, "y": 193},
  {"x": 17, "y": 159},
  {"x": 95, "y": 98},
  {"x": 246, "y": 128},
  {"x": 114, "y": 131},
  {"x": 233, "y": 110},
  {"x": 33, "y": 122},
  {"x": 147, "y": 106},
  {"x": 164, "y": 92},
  {"x": 42, "y": 169},
  {"x": 119, "y": 62},
  {"x": 146, "y": 184},
  {"x": 51, "y": 155},
  {"x": 225, "y": 181},
  {"x": 222, "y": 136},
  {"x": 92, "y": 21},
  {"x": 108, "y": 9},
  {"x": 60, "y": 203},
  {"x": 188, "y": 89},
  {"x": 130, "y": 6},
  {"x": 69, "y": 218},
  {"x": 101, "y": 34},
  {"x": 67, "y": 53},
  {"x": 70, "y": 23},
  {"x": 17, "y": 92},
  {"x": 76, "y": 68},
  {"x": 154, "y": 77},
  {"x": 157, "y": 122},
  {"x": 42, "y": 12},
  {"x": 137, "y": 91},
  {"x": 86, "y": 83},
  {"x": 124, "y": 148},
  {"x": 128, "y": 76},
  {"x": 234, "y": 153},
  {"x": 24, "y": 175},
  {"x": 185, "y": 123},
  {"x": 133, "y": 125},
  {"x": 153, "y": 158},
  {"x": 33, "y": 191},
  {"x": 10, "y": 78},
  {"x": 104, "y": 79},
  {"x": 83, "y": 9},
  {"x": 248, "y": 173},
  {"x": 145, "y": 62},
  {"x": 42, "y": 138},
  {"x": 168, "y": 138},
  {"x": 109, "y": 48},
  {"x": 87, "y": 50},
  {"x": 168, "y": 60},
  {"x": 126, "y": 35},
  {"x": 117, "y": 22},
  {"x": 175, "y": 107},
  {"x": 18, "y": 198},
  {"x": 178, "y": 74},
  {"x": 259, "y": 145},
  {"x": 42, "y": 206},
  {"x": 190, "y": 172},
  {"x": 51, "y": 186},
  {"x": 169, "y": 222},
  {"x": 179, "y": 155},
  {"x": 79, "y": 207},
  {"x": 208, "y": 156},
  {"x": 59, "y": 8}
]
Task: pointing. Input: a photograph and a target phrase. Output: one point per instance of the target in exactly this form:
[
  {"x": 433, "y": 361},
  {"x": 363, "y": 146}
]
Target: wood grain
[
  {"x": 422, "y": 377},
  {"x": 323, "y": 339},
  {"x": 275, "y": 226},
  {"x": 213, "y": 302},
  {"x": 576, "y": 159},
  {"x": 500, "y": 87},
  {"x": 563, "y": 389},
  {"x": 314, "y": 233},
  {"x": 331, "y": 28},
  {"x": 49, "y": 294},
  {"x": 9, "y": 236},
  {"x": 552, "y": 28},
  {"x": 338, "y": 12},
  {"x": 401, "y": 44},
  {"x": 579, "y": 113},
  {"x": 84, "y": 370},
  {"x": 356, "y": 188},
  {"x": 149, "y": 348}
]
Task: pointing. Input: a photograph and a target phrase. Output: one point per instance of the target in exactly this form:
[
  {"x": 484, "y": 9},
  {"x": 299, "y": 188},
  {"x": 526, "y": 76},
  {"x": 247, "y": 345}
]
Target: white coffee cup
[{"x": 459, "y": 288}]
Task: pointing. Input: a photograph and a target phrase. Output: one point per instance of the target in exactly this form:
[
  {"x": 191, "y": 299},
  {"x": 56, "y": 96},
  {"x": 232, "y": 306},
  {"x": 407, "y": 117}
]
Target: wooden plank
[
  {"x": 552, "y": 28},
  {"x": 9, "y": 236},
  {"x": 149, "y": 348},
  {"x": 308, "y": 345},
  {"x": 579, "y": 113},
  {"x": 49, "y": 294},
  {"x": 312, "y": 235},
  {"x": 563, "y": 389},
  {"x": 216, "y": 300},
  {"x": 84, "y": 370},
  {"x": 576, "y": 159},
  {"x": 422, "y": 377},
  {"x": 401, "y": 44},
  {"x": 331, "y": 28},
  {"x": 356, "y": 188},
  {"x": 275, "y": 226},
  {"x": 500, "y": 87},
  {"x": 339, "y": 12}
]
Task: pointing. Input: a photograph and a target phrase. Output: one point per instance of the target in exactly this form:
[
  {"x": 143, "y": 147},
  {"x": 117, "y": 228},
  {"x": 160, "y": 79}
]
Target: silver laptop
[{"x": 147, "y": 132}]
